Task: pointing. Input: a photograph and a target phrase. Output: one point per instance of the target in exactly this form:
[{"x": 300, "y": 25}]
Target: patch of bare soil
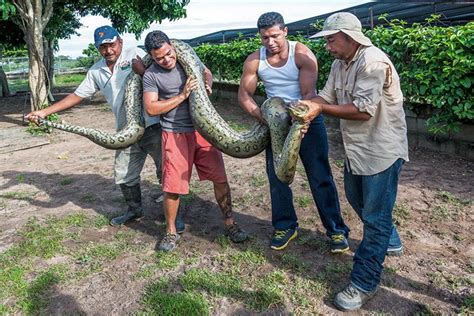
[{"x": 71, "y": 174}]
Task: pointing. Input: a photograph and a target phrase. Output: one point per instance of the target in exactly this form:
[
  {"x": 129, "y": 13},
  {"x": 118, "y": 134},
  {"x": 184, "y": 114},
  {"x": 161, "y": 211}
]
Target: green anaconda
[{"x": 285, "y": 137}]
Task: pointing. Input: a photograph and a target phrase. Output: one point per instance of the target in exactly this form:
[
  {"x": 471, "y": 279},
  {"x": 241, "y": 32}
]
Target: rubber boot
[
  {"x": 180, "y": 225},
  {"x": 133, "y": 198}
]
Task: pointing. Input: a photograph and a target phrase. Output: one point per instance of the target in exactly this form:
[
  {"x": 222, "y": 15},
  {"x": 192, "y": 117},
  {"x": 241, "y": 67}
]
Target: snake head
[{"x": 297, "y": 110}]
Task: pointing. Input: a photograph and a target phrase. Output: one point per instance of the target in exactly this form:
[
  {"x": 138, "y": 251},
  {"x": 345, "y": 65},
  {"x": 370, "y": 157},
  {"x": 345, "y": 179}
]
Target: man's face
[
  {"x": 111, "y": 51},
  {"x": 165, "y": 56},
  {"x": 274, "y": 38},
  {"x": 339, "y": 46}
]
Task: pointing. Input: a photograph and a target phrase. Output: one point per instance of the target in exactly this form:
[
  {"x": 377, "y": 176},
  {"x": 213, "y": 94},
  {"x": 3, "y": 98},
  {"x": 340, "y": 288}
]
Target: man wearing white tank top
[{"x": 289, "y": 70}]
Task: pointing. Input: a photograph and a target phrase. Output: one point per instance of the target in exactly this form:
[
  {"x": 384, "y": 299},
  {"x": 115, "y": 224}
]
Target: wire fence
[{"x": 18, "y": 67}]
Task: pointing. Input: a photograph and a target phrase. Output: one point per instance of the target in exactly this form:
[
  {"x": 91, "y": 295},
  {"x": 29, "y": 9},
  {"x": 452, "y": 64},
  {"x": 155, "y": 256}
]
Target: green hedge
[{"x": 435, "y": 64}]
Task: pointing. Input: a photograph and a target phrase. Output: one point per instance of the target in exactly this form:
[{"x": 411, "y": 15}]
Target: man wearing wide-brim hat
[{"x": 363, "y": 90}]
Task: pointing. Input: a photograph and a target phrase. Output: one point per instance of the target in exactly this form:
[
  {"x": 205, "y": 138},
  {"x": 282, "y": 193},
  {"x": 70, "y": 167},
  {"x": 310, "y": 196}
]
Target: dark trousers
[{"x": 314, "y": 155}]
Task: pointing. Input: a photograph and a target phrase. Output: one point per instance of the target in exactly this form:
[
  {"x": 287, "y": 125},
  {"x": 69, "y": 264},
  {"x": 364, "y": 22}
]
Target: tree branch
[
  {"x": 22, "y": 7},
  {"x": 47, "y": 13}
]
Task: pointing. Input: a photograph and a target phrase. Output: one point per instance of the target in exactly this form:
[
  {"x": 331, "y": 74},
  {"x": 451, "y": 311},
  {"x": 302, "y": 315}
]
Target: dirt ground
[{"x": 434, "y": 213}]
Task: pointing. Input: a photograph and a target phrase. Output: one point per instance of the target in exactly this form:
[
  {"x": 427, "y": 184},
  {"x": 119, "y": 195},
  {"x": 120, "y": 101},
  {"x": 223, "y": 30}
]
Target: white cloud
[{"x": 207, "y": 16}]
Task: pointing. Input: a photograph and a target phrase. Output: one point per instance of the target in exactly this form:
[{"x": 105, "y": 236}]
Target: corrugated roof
[{"x": 452, "y": 13}]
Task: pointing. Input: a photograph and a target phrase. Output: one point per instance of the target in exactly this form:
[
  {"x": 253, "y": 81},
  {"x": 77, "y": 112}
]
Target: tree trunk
[
  {"x": 34, "y": 16},
  {"x": 37, "y": 75},
  {"x": 49, "y": 66},
  {"x": 4, "y": 81}
]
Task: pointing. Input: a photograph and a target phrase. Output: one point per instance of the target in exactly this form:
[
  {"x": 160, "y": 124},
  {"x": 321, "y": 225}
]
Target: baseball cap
[
  {"x": 344, "y": 22},
  {"x": 105, "y": 34}
]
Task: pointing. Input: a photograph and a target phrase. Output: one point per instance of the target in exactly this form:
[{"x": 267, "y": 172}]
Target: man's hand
[
  {"x": 138, "y": 66},
  {"x": 208, "y": 89},
  {"x": 190, "y": 85},
  {"x": 33, "y": 116},
  {"x": 313, "y": 110}
]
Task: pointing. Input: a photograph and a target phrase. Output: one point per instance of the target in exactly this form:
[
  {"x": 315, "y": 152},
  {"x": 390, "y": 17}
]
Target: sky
[{"x": 208, "y": 16}]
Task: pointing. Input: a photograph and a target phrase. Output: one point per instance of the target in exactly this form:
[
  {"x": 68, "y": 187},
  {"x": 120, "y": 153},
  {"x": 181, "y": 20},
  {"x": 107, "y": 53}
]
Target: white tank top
[{"x": 281, "y": 81}]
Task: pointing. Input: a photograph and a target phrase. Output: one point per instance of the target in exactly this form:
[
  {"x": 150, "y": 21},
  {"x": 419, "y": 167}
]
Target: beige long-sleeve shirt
[{"x": 371, "y": 83}]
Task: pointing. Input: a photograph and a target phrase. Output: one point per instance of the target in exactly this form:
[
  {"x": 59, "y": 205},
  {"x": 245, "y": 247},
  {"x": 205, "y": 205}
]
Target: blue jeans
[
  {"x": 373, "y": 198},
  {"x": 314, "y": 155}
]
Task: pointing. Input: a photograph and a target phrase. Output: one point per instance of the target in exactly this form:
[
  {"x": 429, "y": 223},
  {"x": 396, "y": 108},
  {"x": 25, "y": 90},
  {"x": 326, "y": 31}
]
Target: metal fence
[{"x": 17, "y": 67}]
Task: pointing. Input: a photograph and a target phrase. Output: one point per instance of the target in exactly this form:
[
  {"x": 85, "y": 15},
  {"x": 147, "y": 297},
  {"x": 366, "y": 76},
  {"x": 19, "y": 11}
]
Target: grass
[
  {"x": 304, "y": 200},
  {"x": 258, "y": 180},
  {"x": 69, "y": 79},
  {"x": 104, "y": 107},
  {"x": 247, "y": 258},
  {"x": 18, "y": 195},
  {"x": 20, "y": 178},
  {"x": 401, "y": 214},
  {"x": 64, "y": 80},
  {"x": 239, "y": 127},
  {"x": 294, "y": 263},
  {"x": 263, "y": 293},
  {"x": 159, "y": 300},
  {"x": 25, "y": 284},
  {"x": 467, "y": 306},
  {"x": 448, "y": 206},
  {"x": 66, "y": 181},
  {"x": 88, "y": 198},
  {"x": 183, "y": 282},
  {"x": 339, "y": 163},
  {"x": 166, "y": 260}
]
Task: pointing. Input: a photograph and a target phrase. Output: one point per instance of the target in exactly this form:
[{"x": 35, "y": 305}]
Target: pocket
[{"x": 344, "y": 92}]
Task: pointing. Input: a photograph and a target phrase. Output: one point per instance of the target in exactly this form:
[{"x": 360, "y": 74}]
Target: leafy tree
[
  {"x": 45, "y": 21},
  {"x": 92, "y": 56}
]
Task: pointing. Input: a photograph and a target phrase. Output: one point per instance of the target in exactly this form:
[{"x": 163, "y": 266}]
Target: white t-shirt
[{"x": 112, "y": 85}]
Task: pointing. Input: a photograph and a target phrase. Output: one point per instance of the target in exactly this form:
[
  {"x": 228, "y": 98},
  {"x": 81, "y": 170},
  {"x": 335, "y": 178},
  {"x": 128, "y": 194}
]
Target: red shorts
[{"x": 179, "y": 152}]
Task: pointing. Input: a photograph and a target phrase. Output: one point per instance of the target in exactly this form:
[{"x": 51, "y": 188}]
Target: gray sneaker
[
  {"x": 169, "y": 242},
  {"x": 351, "y": 298},
  {"x": 396, "y": 251},
  {"x": 235, "y": 233}
]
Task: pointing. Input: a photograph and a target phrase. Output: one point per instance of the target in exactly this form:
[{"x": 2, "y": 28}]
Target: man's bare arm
[{"x": 248, "y": 85}]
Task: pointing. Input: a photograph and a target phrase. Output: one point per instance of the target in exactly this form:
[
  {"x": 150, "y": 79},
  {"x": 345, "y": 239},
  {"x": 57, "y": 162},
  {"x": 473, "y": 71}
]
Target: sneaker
[
  {"x": 351, "y": 298},
  {"x": 281, "y": 238},
  {"x": 169, "y": 242},
  {"x": 339, "y": 244},
  {"x": 396, "y": 251},
  {"x": 235, "y": 233}
]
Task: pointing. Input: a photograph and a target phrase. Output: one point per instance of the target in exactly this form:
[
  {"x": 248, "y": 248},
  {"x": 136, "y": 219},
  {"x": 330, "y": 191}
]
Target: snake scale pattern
[{"x": 285, "y": 137}]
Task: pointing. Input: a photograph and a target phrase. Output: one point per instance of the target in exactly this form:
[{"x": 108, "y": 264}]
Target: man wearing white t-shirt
[{"x": 109, "y": 75}]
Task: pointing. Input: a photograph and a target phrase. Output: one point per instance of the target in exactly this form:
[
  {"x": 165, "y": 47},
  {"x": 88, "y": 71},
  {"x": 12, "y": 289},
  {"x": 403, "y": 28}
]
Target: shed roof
[{"x": 452, "y": 13}]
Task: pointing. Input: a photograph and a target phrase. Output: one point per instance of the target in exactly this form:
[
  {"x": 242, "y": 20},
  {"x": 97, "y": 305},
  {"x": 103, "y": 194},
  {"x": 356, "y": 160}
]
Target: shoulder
[
  {"x": 153, "y": 69},
  {"x": 253, "y": 59},
  {"x": 304, "y": 55},
  {"x": 301, "y": 48},
  {"x": 98, "y": 65},
  {"x": 253, "y": 56},
  {"x": 373, "y": 54}
]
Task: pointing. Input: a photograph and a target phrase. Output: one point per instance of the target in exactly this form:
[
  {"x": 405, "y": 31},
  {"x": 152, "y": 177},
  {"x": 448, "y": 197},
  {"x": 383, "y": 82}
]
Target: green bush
[{"x": 435, "y": 64}]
